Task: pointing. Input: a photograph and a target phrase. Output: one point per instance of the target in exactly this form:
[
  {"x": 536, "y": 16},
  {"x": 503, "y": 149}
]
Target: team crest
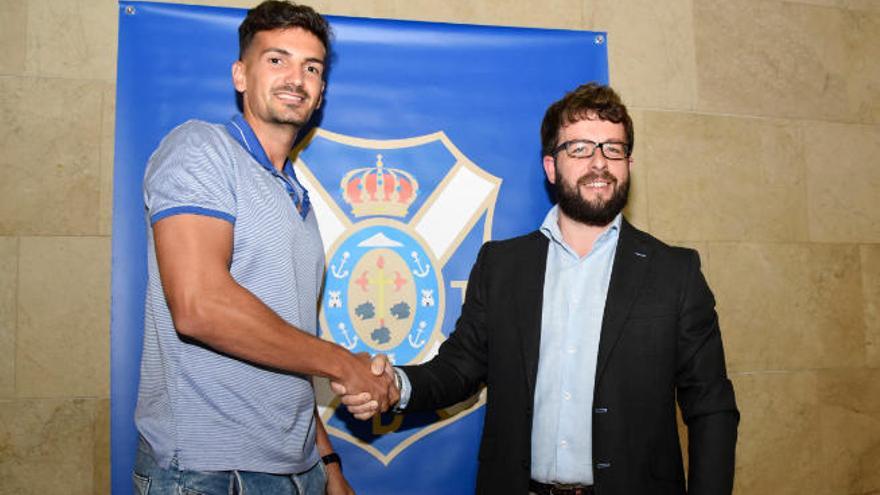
[
  {"x": 401, "y": 221},
  {"x": 382, "y": 292}
]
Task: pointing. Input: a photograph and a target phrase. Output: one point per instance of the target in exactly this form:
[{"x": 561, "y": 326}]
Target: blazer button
[
  {"x": 601, "y": 410},
  {"x": 603, "y": 465}
]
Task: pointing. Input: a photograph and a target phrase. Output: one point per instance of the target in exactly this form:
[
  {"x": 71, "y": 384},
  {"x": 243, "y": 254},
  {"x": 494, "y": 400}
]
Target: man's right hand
[
  {"x": 364, "y": 405},
  {"x": 368, "y": 387}
]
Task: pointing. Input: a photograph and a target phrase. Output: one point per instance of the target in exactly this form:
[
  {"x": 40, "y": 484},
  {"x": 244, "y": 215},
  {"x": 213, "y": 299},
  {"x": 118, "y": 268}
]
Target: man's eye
[
  {"x": 274, "y": 60},
  {"x": 314, "y": 70}
]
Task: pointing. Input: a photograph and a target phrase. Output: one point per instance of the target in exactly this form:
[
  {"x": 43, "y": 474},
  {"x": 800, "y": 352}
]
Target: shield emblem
[{"x": 402, "y": 222}]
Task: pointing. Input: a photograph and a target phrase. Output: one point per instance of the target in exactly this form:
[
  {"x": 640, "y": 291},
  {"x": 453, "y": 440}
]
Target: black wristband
[{"x": 331, "y": 458}]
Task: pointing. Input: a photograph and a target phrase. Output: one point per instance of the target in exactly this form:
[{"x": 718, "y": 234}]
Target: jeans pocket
[
  {"x": 323, "y": 469},
  {"x": 141, "y": 484},
  {"x": 311, "y": 482}
]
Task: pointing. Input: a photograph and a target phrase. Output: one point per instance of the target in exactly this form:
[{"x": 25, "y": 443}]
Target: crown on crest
[{"x": 379, "y": 190}]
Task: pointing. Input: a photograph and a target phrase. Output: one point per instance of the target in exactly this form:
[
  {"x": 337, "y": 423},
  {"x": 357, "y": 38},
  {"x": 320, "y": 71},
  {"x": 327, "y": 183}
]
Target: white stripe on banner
[{"x": 461, "y": 199}]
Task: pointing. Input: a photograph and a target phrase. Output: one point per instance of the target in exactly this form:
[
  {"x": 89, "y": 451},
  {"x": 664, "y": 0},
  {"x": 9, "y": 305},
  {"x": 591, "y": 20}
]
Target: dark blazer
[{"x": 659, "y": 342}]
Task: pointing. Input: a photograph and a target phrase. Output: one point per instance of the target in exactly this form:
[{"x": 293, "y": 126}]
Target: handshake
[{"x": 367, "y": 386}]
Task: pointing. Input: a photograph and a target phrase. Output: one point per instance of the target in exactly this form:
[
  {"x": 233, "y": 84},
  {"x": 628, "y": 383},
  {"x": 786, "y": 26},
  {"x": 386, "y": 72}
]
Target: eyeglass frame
[{"x": 600, "y": 146}]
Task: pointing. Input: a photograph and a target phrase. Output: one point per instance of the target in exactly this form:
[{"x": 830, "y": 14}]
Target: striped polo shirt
[{"x": 210, "y": 411}]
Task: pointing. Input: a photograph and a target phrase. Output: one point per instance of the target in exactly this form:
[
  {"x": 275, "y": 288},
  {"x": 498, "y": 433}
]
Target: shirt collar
[
  {"x": 242, "y": 132},
  {"x": 550, "y": 228},
  {"x": 239, "y": 128}
]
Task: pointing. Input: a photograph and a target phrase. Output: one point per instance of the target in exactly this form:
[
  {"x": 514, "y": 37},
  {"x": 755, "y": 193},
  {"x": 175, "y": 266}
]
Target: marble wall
[{"x": 758, "y": 125}]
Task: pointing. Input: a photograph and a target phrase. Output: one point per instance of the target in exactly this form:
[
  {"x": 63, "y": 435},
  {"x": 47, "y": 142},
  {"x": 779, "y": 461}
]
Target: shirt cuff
[
  {"x": 191, "y": 210},
  {"x": 405, "y": 389}
]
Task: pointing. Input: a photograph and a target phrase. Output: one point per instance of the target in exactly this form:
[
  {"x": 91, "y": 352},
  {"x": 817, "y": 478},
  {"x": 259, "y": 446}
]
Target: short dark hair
[
  {"x": 274, "y": 14},
  {"x": 577, "y": 105}
]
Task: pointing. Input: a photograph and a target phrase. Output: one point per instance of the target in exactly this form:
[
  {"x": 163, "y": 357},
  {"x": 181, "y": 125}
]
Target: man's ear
[
  {"x": 550, "y": 168},
  {"x": 238, "y": 78}
]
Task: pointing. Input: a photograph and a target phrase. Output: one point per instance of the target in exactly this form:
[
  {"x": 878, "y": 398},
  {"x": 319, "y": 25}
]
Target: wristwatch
[
  {"x": 398, "y": 382},
  {"x": 331, "y": 458}
]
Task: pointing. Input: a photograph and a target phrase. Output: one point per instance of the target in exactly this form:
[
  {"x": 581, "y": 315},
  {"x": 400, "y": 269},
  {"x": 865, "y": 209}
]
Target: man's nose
[
  {"x": 294, "y": 75},
  {"x": 598, "y": 160}
]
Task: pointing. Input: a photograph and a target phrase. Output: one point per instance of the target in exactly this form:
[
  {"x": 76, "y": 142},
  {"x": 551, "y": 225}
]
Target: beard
[
  {"x": 598, "y": 213},
  {"x": 289, "y": 114}
]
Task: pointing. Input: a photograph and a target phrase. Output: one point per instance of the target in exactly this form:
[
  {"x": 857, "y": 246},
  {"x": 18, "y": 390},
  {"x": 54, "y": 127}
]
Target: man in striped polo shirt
[{"x": 226, "y": 403}]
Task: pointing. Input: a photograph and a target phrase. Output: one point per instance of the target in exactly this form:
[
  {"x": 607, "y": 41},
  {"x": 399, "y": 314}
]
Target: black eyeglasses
[{"x": 584, "y": 148}]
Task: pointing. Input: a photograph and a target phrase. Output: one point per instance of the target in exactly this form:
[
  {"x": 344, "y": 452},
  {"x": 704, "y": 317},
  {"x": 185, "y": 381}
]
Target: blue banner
[{"x": 427, "y": 145}]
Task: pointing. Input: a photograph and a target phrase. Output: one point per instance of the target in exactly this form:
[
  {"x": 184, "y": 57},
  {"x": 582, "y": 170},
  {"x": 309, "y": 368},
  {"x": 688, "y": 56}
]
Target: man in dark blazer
[{"x": 586, "y": 333}]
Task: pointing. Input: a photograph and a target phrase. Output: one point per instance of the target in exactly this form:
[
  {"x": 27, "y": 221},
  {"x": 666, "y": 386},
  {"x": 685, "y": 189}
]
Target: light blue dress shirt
[{"x": 574, "y": 302}]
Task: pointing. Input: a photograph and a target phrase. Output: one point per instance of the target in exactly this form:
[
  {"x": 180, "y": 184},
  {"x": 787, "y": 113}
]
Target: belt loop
[{"x": 237, "y": 485}]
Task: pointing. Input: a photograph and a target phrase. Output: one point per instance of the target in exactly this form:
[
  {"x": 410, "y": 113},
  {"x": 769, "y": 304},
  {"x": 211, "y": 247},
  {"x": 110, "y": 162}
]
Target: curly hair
[{"x": 582, "y": 103}]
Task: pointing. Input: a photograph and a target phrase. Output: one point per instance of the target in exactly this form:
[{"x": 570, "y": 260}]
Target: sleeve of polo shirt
[{"x": 190, "y": 173}]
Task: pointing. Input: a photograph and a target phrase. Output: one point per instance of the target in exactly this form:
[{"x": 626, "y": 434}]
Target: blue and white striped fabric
[{"x": 212, "y": 411}]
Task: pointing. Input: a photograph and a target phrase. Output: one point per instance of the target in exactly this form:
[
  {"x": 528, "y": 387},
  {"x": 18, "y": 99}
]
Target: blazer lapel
[
  {"x": 631, "y": 261},
  {"x": 532, "y": 271}
]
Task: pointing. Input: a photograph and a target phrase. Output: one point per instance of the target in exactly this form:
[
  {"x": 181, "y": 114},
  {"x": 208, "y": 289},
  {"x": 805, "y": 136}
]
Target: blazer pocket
[
  {"x": 667, "y": 466},
  {"x": 652, "y": 311}
]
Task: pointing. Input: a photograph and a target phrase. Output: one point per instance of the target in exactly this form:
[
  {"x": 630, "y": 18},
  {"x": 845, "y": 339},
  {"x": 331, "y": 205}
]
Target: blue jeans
[{"x": 152, "y": 479}]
